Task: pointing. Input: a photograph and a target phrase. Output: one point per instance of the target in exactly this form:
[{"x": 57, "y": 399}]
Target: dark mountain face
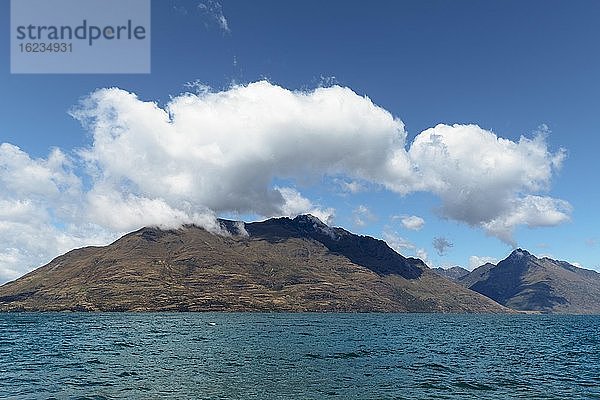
[
  {"x": 478, "y": 274},
  {"x": 505, "y": 281},
  {"x": 276, "y": 265},
  {"x": 525, "y": 282},
  {"x": 454, "y": 273},
  {"x": 371, "y": 253}
]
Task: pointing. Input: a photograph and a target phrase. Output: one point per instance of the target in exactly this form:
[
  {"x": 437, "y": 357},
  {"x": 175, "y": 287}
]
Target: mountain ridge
[
  {"x": 525, "y": 282},
  {"x": 280, "y": 264},
  {"x": 454, "y": 273}
]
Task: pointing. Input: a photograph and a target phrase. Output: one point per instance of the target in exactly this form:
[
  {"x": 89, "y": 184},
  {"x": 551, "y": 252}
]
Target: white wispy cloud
[
  {"x": 209, "y": 153},
  {"x": 295, "y": 204},
  {"x": 210, "y": 13},
  {"x": 351, "y": 187},
  {"x": 478, "y": 261},
  {"x": 404, "y": 246},
  {"x": 397, "y": 242},
  {"x": 214, "y": 11},
  {"x": 422, "y": 254},
  {"x": 411, "y": 222},
  {"x": 578, "y": 265},
  {"x": 363, "y": 216}
]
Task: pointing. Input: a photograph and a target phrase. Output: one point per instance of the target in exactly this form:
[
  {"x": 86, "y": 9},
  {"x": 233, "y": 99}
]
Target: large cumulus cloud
[
  {"x": 488, "y": 181},
  {"x": 222, "y": 150},
  {"x": 205, "y": 154}
]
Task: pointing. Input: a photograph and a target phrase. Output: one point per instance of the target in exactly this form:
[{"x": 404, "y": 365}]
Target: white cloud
[
  {"x": 397, "y": 242},
  {"x": 295, "y": 204},
  {"x": 532, "y": 211},
  {"x": 125, "y": 212},
  {"x": 41, "y": 179},
  {"x": 241, "y": 229},
  {"x": 411, "y": 222},
  {"x": 214, "y": 11},
  {"x": 209, "y": 153},
  {"x": 39, "y": 198},
  {"x": 352, "y": 187},
  {"x": 422, "y": 254},
  {"x": 26, "y": 246},
  {"x": 221, "y": 151},
  {"x": 404, "y": 246},
  {"x": 478, "y": 261},
  {"x": 210, "y": 13},
  {"x": 488, "y": 181},
  {"x": 363, "y": 216}
]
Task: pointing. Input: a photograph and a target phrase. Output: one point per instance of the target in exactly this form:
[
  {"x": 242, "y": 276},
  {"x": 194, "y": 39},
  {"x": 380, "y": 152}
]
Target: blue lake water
[{"x": 298, "y": 356}]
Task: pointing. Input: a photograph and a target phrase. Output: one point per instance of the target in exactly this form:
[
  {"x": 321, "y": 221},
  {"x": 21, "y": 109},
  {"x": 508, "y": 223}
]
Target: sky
[{"x": 454, "y": 130}]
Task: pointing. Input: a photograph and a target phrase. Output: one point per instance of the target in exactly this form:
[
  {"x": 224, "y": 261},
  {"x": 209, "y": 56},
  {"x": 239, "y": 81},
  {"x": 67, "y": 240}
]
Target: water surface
[{"x": 298, "y": 356}]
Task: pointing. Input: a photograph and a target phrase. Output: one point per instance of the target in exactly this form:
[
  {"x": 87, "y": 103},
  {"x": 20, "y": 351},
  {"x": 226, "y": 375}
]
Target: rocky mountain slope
[
  {"x": 280, "y": 264},
  {"x": 524, "y": 282},
  {"x": 454, "y": 273}
]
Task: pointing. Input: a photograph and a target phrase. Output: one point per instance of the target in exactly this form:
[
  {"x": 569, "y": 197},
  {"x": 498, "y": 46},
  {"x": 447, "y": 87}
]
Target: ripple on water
[{"x": 308, "y": 356}]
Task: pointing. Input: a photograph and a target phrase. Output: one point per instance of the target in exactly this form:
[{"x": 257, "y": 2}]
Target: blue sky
[{"x": 511, "y": 67}]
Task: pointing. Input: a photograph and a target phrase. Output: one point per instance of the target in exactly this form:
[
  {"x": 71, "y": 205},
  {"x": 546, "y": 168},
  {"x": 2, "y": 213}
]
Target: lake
[{"x": 298, "y": 356}]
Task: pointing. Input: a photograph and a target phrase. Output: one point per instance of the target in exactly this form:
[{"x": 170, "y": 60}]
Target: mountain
[
  {"x": 454, "y": 273},
  {"x": 524, "y": 282},
  {"x": 478, "y": 274},
  {"x": 280, "y": 264}
]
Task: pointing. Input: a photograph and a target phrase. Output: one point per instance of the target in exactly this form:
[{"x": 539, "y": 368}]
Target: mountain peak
[
  {"x": 520, "y": 254},
  {"x": 309, "y": 218},
  {"x": 371, "y": 253},
  {"x": 524, "y": 282},
  {"x": 311, "y": 223}
]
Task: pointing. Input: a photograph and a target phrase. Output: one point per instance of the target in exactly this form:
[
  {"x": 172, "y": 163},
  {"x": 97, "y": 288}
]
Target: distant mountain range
[
  {"x": 280, "y": 264},
  {"x": 454, "y": 273},
  {"x": 525, "y": 282}
]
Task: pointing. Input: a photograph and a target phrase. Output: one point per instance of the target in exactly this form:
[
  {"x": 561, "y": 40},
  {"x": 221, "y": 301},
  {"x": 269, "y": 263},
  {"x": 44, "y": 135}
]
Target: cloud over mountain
[
  {"x": 41, "y": 211},
  {"x": 217, "y": 152}
]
